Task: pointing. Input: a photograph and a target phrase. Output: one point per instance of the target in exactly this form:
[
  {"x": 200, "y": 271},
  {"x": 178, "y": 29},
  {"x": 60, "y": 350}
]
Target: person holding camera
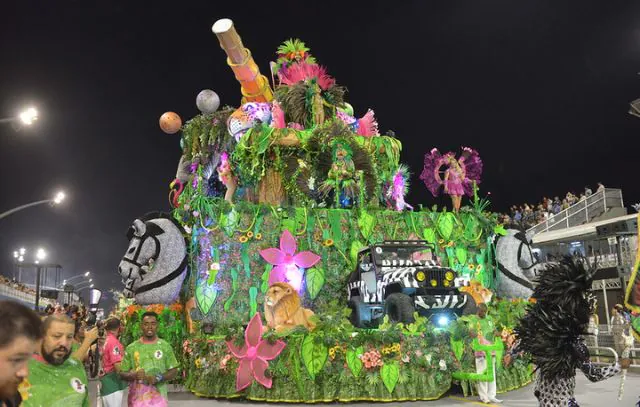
[
  {"x": 111, "y": 386},
  {"x": 148, "y": 363}
]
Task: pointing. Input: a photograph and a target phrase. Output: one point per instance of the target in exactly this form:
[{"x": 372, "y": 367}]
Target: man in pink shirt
[{"x": 111, "y": 386}]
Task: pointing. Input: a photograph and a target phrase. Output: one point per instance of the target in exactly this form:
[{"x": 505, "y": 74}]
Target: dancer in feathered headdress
[
  {"x": 551, "y": 332},
  {"x": 459, "y": 177}
]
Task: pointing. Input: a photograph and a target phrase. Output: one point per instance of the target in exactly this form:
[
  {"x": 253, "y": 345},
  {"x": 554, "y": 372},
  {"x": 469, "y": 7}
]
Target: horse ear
[
  {"x": 153, "y": 229},
  {"x": 139, "y": 228}
]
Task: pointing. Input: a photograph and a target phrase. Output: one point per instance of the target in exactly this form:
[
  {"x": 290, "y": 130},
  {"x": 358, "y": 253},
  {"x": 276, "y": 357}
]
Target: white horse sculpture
[
  {"x": 516, "y": 265},
  {"x": 155, "y": 264}
]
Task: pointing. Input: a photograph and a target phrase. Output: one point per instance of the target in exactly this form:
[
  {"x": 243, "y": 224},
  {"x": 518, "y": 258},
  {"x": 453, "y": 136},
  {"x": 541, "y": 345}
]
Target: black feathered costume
[{"x": 551, "y": 332}]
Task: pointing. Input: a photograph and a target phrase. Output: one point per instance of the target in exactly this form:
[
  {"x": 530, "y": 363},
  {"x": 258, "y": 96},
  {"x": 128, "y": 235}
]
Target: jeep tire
[
  {"x": 356, "y": 313},
  {"x": 399, "y": 307}
]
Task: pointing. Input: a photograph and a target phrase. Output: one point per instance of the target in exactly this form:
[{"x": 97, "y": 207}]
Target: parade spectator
[
  {"x": 55, "y": 377},
  {"x": 600, "y": 187},
  {"x": 148, "y": 363},
  {"x": 587, "y": 191},
  {"x": 618, "y": 325},
  {"x": 19, "y": 336},
  {"x": 82, "y": 342},
  {"x": 111, "y": 386}
]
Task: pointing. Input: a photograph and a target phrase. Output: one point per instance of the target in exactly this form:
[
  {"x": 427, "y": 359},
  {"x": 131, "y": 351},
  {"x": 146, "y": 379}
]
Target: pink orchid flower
[
  {"x": 254, "y": 355},
  {"x": 287, "y": 262}
]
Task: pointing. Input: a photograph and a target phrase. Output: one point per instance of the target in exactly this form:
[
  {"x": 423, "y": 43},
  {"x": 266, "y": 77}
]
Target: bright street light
[
  {"x": 41, "y": 254},
  {"x": 22, "y": 251},
  {"x": 56, "y": 200},
  {"x": 29, "y": 116},
  {"x": 59, "y": 198}
]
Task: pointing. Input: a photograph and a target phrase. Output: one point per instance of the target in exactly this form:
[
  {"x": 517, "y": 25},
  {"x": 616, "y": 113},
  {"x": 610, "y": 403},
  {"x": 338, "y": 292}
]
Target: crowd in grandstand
[{"x": 529, "y": 215}]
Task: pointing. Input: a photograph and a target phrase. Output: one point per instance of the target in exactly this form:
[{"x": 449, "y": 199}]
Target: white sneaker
[
  {"x": 485, "y": 401},
  {"x": 495, "y": 400}
]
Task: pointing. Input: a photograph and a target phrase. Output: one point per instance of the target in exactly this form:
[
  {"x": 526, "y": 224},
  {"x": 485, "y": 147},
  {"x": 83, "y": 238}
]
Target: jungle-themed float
[{"x": 275, "y": 204}]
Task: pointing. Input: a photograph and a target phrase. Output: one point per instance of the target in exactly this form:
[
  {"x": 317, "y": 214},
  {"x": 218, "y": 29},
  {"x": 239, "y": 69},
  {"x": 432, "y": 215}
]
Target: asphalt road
[{"x": 588, "y": 395}]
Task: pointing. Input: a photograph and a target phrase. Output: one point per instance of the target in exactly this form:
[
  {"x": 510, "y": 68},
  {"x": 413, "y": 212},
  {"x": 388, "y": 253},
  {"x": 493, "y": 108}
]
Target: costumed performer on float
[
  {"x": 552, "y": 328},
  {"x": 486, "y": 333},
  {"x": 459, "y": 177}
]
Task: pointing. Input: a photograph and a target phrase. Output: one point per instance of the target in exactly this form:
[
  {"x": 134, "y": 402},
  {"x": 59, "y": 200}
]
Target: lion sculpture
[{"x": 282, "y": 309}]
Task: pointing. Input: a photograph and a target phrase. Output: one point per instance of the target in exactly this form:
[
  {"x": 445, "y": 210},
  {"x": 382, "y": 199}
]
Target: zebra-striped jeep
[{"x": 397, "y": 278}]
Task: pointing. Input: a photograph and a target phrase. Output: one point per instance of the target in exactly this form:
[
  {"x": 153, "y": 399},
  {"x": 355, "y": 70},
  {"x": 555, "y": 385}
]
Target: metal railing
[
  {"x": 582, "y": 211},
  {"x": 16, "y": 294}
]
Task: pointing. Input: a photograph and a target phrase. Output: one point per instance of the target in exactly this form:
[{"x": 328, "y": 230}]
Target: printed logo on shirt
[
  {"x": 116, "y": 350},
  {"x": 77, "y": 385},
  {"x": 158, "y": 354}
]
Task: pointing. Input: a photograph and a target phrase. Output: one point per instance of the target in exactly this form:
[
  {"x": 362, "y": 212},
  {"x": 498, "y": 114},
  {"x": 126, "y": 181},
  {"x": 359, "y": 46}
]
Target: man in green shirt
[
  {"x": 55, "y": 378},
  {"x": 148, "y": 363}
]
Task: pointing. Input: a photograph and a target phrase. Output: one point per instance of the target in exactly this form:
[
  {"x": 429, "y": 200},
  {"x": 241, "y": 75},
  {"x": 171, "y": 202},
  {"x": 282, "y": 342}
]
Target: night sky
[{"x": 541, "y": 89}]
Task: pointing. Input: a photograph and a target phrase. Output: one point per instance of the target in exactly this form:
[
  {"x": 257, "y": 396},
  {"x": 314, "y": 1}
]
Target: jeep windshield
[{"x": 403, "y": 256}]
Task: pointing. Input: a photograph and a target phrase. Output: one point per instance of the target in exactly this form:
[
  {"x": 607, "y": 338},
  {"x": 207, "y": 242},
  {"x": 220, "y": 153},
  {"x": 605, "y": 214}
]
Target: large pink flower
[
  {"x": 287, "y": 263},
  {"x": 254, "y": 355}
]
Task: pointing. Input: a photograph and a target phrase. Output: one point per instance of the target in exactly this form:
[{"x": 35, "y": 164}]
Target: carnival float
[{"x": 292, "y": 269}]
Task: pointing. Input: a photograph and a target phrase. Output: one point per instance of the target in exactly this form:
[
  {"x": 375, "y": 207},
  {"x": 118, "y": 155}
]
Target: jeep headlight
[
  {"x": 449, "y": 275},
  {"x": 420, "y": 276},
  {"x": 434, "y": 283},
  {"x": 446, "y": 283}
]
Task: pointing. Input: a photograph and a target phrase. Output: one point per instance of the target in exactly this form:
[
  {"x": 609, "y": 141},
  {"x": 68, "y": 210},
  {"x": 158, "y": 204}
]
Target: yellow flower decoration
[
  {"x": 243, "y": 239},
  {"x": 441, "y": 241},
  {"x": 450, "y": 244},
  {"x": 472, "y": 267},
  {"x": 258, "y": 236},
  {"x": 249, "y": 234},
  {"x": 328, "y": 243},
  {"x": 479, "y": 267},
  {"x": 198, "y": 363}
]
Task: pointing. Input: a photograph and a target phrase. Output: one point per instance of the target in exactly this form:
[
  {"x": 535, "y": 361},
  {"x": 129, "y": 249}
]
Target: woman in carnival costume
[
  {"x": 459, "y": 177},
  {"x": 551, "y": 332}
]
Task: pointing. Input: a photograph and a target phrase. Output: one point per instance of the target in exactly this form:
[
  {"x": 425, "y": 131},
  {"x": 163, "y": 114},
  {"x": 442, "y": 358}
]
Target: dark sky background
[{"x": 541, "y": 89}]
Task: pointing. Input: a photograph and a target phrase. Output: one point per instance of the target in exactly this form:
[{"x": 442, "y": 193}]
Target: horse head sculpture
[
  {"x": 517, "y": 267},
  {"x": 155, "y": 263}
]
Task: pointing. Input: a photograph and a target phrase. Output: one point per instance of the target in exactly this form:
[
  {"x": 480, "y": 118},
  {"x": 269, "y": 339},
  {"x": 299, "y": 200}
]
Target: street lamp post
[
  {"x": 81, "y": 275},
  {"x": 57, "y": 200}
]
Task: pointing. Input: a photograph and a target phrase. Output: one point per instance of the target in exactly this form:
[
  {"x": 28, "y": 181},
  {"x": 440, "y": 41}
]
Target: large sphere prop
[
  {"x": 207, "y": 101},
  {"x": 170, "y": 122}
]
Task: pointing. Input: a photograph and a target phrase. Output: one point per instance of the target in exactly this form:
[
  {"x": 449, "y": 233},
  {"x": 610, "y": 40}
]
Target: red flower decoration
[{"x": 254, "y": 355}]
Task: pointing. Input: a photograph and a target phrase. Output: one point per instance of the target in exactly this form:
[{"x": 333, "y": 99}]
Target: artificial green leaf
[
  {"x": 234, "y": 287},
  {"x": 356, "y": 245},
  {"x": 314, "y": 355},
  {"x": 229, "y": 222},
  {"x": 429, "y": 235},
  {"x": 390, "y": 373},
  {"x": 446, "y": 223},
  {"x": 253, "y": 301},
  {"x": 245, "y": 260},
  {"x": 315, "y": 279},
  {"x": 472, "y": 230},
  {"x": 458, "y": 348},
  {"x": 499, "y": 230},
  {"x": 265, "y": 278},
  {"x": 205, "y": 296},
  {"x": 461, "y": 255},
  {"x": 366, "y": 223},
  {"x": 353, "y": 360},
  {"x": 288, "y": 224}
]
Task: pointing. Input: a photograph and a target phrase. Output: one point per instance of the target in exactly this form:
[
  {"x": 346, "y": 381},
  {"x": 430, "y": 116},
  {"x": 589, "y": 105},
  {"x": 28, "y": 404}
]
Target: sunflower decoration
[
  {"x": 328, "y": 243},
  {"x": 243, "y": 239}
]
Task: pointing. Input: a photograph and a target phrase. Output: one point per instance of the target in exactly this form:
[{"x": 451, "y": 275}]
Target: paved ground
[{"x": 588, "y": 395}]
